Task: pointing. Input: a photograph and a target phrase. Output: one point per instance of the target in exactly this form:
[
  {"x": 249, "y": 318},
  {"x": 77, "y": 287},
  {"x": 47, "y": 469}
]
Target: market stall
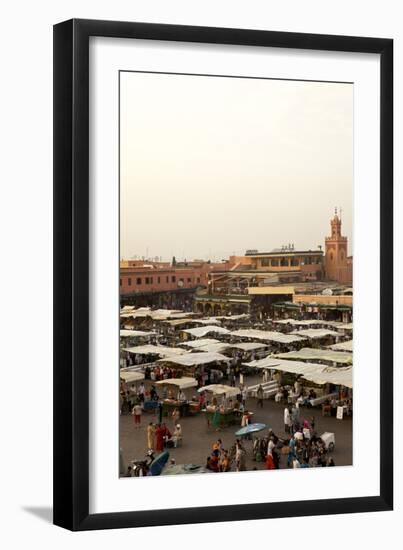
[
  {"x": 176, "y": 398},
  {"x": 314, "y": 354},
  {"x": 200, "y": 360},
  {"x": 343, "y": 346},
  {"x": 222, "y": 407}
]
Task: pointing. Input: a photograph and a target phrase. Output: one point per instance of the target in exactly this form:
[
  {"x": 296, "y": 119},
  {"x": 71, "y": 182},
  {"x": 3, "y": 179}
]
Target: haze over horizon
[{"x": 213, "y": 166}]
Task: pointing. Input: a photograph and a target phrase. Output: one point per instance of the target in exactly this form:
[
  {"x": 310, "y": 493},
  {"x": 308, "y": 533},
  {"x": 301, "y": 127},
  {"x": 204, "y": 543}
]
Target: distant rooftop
[{"x": 279, "y": 251}]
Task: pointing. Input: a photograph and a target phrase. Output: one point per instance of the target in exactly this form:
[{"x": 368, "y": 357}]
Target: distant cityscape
[{"x": 284, "y": 278}]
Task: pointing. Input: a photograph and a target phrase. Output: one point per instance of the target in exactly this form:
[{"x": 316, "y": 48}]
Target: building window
[
  {"x": 189, "y": 280},
  {"x": 147, "y": 280},
  {"x": 167, "y": 279},
  {"x": 120, "y": 282},
  {"x": 274, "y": 263},
  {"x": 265, "y": 262},
  {"x": 138, "y": 281},
  {"x": 284, "y": 262},
  {"x": 331, "y": 256},
  {"x": 129, "y": 281},
  {"x": 294, "y": 261},
  {"x": 198, "y": 280},
  {"x": 159, "y": 280},
  {"x": 173, "y": 279}
]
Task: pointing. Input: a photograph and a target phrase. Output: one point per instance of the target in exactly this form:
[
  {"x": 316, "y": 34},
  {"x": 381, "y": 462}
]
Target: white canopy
[
  {"x": 212, "y": 345},
  {"x": 199, "y": 332},
  {"x": 131, "y": 376},
  {"x": 193, "y": 359},
  {"x": 310, "y": 354},
  {"x": 270, "y": 336},
  {"x": 208, "y": 321},
  {"x": 157, "y": 350},
  {"x": 135, "y": 333},
  {"x": 234, "y": 317},
  {"x": 182, "y": 383},
  {"x": 314, "y": 333},
  {"x": 221, "y": 389},
  {"x": 319, "y": 374},
  {"x": 343, "y": 346},
  {"x": 301, "y": 322},
  {"x": 158, "y": 314},
  {"x": 183, "y": 321},
  {"x": 248, "y": 346},
  {"x": 217, "y": 347},
  {"x": 313, "y": 322},
  {"x": 201, "y": 342}
]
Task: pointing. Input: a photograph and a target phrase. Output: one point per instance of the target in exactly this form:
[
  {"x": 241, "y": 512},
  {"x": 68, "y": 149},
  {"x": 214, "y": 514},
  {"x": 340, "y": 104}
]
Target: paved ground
[{"x": 198, "y": 437}]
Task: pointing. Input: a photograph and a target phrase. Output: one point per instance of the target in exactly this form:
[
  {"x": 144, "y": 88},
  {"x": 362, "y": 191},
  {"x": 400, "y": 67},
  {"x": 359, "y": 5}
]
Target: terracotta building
[
  {"x": 338, "y": 265},
  {"x": 149, "y": 278}
]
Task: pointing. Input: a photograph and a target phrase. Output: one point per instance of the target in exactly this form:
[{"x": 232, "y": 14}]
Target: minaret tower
[{"x": 336, "y": 251}]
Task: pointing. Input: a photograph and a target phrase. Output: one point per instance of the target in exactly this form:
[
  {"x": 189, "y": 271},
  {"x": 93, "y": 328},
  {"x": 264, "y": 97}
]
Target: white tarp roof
[
  {"x": 158, "y": 314},
  {"x": 319, "y": 374},
  {"x": 199, "y": 343},
  {"x": 179, "y": 322},
  {"x": 182, "y": 383},
  {"x": 267, "y": 335},
  {"x": 301, "y": 322},
  {"x": 234, "y": 317},
  {"x": 199, "y": 332},
  {"x": 343, "y": 346},
  {"x": 310, "y": 354},
  {"x": 135, "y": 333},
  {"x": 157, "y": 350},
  {"x": 248, "y": 346},
  {"x": 315, "y": 332},
  {"x": 221, "y": 389},
  {"x": 313, "y": 322},
  {"x": 193, "y": 359},
  {"x": 343, "y": 326},
  {"x": 126, "y": 309},
  {"x": 217, "y": 347},
  {"x": 208, "y": 321},
  {"x": 131, "y": 376}
]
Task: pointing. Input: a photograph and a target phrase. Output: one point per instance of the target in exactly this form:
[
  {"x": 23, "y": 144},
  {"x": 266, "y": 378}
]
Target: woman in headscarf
[
  {"x": 159, "y": 439},
  {"x": 269, "y": 461},
  {"x": 151, "y": 436},
  {"x": 216, "y": 420}
]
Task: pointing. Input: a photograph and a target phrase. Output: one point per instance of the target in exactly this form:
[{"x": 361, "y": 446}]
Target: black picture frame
[{"x": 71, "y": 273}]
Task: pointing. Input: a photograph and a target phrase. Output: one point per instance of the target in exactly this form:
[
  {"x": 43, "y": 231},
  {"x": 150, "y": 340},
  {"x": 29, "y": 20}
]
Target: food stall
[
  {"x": 222, "y": 409},
  {"x": 128, "y": 394},
  {"x": 189, "y": 362},
  {"x": 175, "y": 385}
]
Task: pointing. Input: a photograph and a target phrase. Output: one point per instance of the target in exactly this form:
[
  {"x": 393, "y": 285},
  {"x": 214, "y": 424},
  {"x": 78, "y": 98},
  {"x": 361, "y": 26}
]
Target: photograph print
[{"x": 236, "y": 274}]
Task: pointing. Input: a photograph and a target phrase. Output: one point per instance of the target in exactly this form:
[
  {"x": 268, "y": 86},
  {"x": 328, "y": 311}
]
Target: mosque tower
[{"x": 338, "y": 266}]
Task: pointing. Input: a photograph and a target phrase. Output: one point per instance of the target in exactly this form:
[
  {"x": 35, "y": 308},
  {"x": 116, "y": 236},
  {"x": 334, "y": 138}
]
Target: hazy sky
[{"x": 212, "y": 166}]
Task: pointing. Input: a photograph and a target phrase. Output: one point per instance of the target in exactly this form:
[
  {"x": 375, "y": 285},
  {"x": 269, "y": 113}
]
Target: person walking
[
  {"x": 159, "y": 439},
  {"x": 151, "y": 436},
  {"x": 259, "y": 395},
  {"x": 287, "y": 420},
  {"x": 244, "y": 395},
  {"x": 136, "y": 412},
  {"x": 176, "y": 416}
]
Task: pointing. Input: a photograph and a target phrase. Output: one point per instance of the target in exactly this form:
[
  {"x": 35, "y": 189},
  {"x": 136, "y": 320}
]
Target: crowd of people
[{"x": 223, "y": 460}]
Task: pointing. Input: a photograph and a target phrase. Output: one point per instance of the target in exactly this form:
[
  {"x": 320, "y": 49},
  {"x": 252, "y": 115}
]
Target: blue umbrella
[
  {"x": 251, "y": 428},
  {"x": 158, "y": 463}
]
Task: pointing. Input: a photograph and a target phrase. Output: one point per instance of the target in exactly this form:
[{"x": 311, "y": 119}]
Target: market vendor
[{"x": 181, "y": 395}]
